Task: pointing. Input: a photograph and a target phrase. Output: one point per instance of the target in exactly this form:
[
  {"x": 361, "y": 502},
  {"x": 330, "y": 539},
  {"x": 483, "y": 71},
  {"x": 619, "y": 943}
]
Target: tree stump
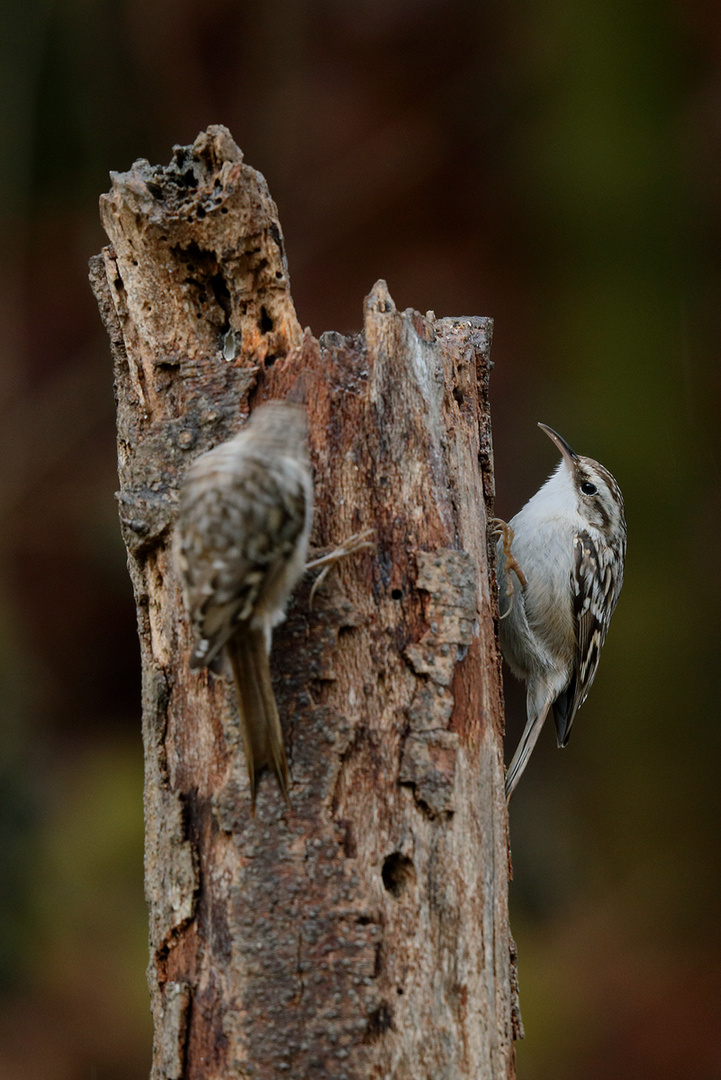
[{"x": 364, "y": 932}]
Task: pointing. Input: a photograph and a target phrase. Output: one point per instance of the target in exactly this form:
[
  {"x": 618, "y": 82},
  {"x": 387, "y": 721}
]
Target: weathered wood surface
[{"x": 363, "y": 933}]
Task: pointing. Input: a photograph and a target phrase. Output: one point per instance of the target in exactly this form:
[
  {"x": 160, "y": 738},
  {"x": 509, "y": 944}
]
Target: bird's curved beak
[{"x": 568, "y": 455}]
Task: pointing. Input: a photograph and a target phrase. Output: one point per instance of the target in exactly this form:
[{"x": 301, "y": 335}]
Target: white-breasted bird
[{"x": 560, "y": 571}]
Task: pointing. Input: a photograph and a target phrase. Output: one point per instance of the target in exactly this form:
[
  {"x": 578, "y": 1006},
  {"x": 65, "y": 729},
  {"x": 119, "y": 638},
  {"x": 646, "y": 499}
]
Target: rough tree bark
[{"x": 364, "y": 932}]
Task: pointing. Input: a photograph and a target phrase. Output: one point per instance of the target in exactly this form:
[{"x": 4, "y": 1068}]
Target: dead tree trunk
[{"x": 364, "y": 932}]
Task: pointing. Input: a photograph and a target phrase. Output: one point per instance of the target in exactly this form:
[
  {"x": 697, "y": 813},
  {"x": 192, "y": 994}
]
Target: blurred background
[{"x": 554, "y": 164}]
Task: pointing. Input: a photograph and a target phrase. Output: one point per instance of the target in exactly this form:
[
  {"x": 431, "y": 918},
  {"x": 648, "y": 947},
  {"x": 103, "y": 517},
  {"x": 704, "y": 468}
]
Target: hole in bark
[
  {"x": 458, "y": 394},
  {"x": 399, "y": 990},
  {"x": 398, "y": 873},
  {"x": 265, "y": 323},
  {"x": 222, "y": 295},
  {"x": 396, "y": 594},
  {"x": 275, "y": 233},
  {"x": 269, "y": 360},
  {"x": 379, "y": 1021},
  {"x": 201, "y": 215},
  {"x": 347, "y": 840},
  {"x": 224, "y": 209}
]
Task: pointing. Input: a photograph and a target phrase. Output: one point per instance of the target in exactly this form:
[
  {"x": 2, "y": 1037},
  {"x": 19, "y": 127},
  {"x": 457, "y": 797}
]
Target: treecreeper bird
[
  {"x": 560, "y": 571},
  {"x": 245, "y": 515}
]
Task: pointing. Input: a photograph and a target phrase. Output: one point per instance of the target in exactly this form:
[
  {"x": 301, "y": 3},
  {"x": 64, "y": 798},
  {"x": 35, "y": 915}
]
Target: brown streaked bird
[
  {"x": 245, "y": 515},
  {"x": 566, "y": 550}
]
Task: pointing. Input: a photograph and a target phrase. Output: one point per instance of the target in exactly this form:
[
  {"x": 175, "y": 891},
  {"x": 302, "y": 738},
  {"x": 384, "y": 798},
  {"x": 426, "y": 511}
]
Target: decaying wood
[{"x": 364, "y": 932}]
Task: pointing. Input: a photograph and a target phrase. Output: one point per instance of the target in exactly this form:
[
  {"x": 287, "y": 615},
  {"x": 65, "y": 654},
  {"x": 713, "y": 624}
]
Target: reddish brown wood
[{"x": 363, "y": 933}]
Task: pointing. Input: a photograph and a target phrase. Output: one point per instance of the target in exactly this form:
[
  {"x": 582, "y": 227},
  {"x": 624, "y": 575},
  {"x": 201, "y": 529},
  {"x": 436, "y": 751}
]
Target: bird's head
[{"x": 588, "y": 485}]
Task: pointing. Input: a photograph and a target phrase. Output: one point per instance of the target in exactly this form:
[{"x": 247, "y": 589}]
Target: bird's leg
[
  {"x": 504, "y": 530},
  {"x": 357, "y": 542}
]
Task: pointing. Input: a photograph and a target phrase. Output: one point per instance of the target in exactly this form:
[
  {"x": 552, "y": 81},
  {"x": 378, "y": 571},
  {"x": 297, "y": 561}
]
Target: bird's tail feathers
[
  {"x": 259, "y": 720},
  {"x": 564, "y": 710},
  {"x": 536, "y": 719}
]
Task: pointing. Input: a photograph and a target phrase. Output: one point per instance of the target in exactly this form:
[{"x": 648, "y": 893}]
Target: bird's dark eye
[{"x": 588, "y": 488}]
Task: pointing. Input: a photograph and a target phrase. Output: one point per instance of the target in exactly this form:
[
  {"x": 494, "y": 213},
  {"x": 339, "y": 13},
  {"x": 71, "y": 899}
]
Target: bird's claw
[
  {"x": 360, "y": 541},
  {"x": 503, "y": 529}
]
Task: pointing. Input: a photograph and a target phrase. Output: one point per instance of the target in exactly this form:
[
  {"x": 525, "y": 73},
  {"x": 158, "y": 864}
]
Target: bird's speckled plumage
[
  {"x": 569, "y": 541},
  {"x": 244, "y": 520}
]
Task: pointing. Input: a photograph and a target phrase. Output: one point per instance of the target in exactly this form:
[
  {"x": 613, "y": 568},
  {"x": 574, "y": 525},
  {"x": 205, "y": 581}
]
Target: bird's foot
[
  {"x": 360, "y": 541},
  {"x": 505, "y": 532}
]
